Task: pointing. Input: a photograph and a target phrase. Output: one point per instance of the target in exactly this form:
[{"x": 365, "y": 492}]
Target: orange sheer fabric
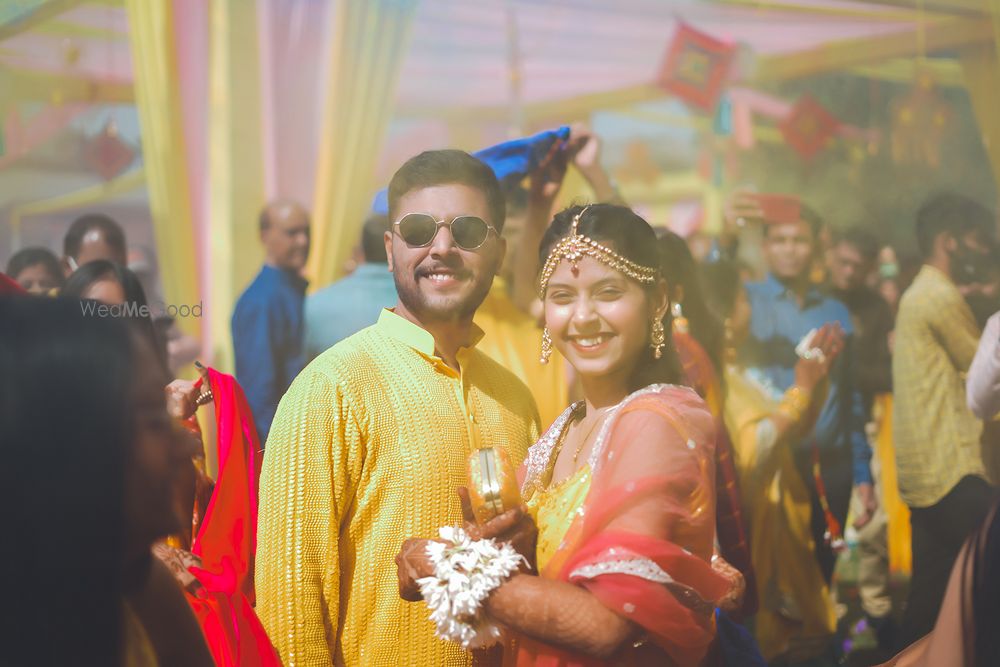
[{"x": 643, "y": 540}]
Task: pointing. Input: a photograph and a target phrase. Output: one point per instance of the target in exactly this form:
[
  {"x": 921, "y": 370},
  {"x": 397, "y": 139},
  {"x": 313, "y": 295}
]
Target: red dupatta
[
  {"x": 227, "y": 538},
  {"x": 644, "y": 540},
  {"x": 730, "y": 526}
]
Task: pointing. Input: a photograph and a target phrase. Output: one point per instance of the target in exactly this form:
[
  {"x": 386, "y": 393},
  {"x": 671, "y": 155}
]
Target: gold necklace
[{"x": 579, "y": 448}]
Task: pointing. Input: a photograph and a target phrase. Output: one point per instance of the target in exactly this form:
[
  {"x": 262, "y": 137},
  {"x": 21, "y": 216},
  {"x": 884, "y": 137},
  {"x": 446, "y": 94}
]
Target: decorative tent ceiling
[{"x": 506, "y": 62}]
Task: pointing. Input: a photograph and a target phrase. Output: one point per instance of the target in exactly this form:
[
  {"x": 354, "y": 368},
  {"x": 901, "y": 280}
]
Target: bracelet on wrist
[
  {"x": 466, "y": 571},
  {"x": 794, "y": 403}
]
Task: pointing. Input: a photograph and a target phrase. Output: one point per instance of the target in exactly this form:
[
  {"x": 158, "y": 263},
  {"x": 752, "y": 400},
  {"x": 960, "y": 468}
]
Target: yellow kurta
[
  {"x": 367, "y": 449},
  {"x": 514, "y": 340}
]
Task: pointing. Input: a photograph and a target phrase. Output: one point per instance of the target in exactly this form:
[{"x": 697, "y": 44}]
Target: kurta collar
[{"x": 414, "y": 336}]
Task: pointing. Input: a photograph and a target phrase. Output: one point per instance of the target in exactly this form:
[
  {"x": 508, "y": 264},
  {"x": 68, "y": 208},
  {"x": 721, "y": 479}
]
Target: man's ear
[{"x": 501, "y": 252}]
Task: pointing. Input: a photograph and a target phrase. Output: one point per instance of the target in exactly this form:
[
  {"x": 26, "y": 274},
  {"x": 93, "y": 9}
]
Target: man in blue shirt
[
  {"x": 786, "y": 307},
  {"x": 354, "y": 302},
  {"x": 267, "y": 322}
]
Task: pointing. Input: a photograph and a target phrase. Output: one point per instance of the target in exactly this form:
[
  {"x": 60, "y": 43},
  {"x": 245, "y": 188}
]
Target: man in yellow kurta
[{"x": 372, "y": 438}]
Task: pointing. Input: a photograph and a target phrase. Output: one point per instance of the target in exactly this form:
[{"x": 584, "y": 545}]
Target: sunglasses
[{"x": 468, "y": 231}]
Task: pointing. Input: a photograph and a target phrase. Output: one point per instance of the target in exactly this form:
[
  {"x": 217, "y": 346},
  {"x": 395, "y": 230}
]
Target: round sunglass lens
[
  {"x": 469, "y": 231},
  {"x": 417, "y": 229}
]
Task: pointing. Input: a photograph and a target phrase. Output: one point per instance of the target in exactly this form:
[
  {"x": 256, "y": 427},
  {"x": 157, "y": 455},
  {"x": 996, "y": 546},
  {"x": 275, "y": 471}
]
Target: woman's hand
[
  {"x": 182, "y": 395},
  {"x": 413, "y": 564},
  {"x": 514, "y": 526},
  {"x": 826, "y": 344},
  {"x": 181, "y": 398}
]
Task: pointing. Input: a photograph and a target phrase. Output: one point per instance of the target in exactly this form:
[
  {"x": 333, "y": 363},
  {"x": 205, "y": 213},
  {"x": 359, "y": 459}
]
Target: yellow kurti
[
  {"x": 554, "y": 510},
  {"x": 367, "y": 449},
  {"x": 796, "y": 618}
]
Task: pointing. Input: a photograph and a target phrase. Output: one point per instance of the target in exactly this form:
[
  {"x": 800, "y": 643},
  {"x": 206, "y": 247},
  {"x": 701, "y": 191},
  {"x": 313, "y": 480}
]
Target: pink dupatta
[
  {"x": 644, "y": 541},
  {"x": 227, "y": 538}
]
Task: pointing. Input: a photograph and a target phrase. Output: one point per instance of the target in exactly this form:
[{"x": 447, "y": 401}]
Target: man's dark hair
[
  {"x": 861, "y": 240},
  {"x": 113, "y": 234},
  {"x": 373, "y": 239},
  {"x": 442, "y": 167},
  {"x": 28, "y": 257},
  {"x": 808, "y": 216},
  {"x": 950, "y": 213}
]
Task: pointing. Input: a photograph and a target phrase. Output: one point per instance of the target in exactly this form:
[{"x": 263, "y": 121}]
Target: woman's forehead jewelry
[{"x": 575, "y": 247}]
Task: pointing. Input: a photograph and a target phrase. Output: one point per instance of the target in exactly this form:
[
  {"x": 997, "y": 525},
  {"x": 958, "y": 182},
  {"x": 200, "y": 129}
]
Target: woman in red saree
[{"x": 622, "y": 485}]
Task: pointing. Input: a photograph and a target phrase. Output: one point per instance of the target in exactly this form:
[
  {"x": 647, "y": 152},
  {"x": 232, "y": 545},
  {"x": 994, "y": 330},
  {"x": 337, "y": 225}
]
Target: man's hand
[
  {"x": 869, "y": 503},
  {"x": 547, "y": 179},
  {"x": 514, "y": 526},
  {"x": 412, "y": 564},
  {"x": 739, "y": 208},
  {"x": 585, "y": 148}
]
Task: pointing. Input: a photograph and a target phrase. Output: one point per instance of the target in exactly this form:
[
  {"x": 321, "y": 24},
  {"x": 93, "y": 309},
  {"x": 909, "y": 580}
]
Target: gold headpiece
[{"x": 575, "y": 246}]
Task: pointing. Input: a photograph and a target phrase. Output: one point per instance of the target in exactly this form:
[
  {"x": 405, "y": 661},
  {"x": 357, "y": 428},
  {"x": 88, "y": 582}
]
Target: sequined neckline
[{"x": 540, "y": 454}]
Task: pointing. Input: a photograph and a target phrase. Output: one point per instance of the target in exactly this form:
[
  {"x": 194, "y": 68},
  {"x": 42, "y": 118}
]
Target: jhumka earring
[
  {"x": 546, "y": 346},
  {"x": 680, "y": 323},
  {"x": 658, "y": 337}
]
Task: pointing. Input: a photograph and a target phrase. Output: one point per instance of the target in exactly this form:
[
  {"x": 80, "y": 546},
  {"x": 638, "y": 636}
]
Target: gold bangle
[
  {"x": 794, "y": 403},
  {"x": 204, "y": 398}
]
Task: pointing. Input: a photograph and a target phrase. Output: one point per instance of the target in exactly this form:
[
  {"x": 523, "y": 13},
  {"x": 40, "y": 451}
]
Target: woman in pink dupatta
[{"x": 622, "y": 485}]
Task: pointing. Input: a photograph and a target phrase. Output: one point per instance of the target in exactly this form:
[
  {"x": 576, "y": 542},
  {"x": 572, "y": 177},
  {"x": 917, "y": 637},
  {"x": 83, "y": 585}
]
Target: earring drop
[
  {"x": 658, "y": 337},
  {"x": 546, "y": 346}
]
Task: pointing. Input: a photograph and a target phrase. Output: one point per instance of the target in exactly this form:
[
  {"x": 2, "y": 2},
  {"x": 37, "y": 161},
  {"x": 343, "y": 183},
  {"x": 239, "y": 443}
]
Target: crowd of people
[{"x": 690, "y": 434}]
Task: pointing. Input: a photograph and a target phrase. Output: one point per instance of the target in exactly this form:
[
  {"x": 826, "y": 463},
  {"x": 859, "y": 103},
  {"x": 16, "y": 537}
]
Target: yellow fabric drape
[
  {"x": 796, "y": 616},
  {"x": 236, "y": 168},
  {"x": 981, "y": 68},
  {"x": 900, "y": 547},
  {"x": 367, "y": 47},
  {"x": 157, "y": 98}
]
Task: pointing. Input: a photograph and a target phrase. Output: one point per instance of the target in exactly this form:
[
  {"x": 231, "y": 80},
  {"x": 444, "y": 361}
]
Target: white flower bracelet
[{"x": 466, "y": 571}]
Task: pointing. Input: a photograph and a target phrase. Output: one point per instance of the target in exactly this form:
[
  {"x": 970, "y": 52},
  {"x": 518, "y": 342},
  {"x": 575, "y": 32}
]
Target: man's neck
[
  {"x": 942, "y": 264},
  {"x": 799, "y": 286},
  {"x": 449, "y": 336}
]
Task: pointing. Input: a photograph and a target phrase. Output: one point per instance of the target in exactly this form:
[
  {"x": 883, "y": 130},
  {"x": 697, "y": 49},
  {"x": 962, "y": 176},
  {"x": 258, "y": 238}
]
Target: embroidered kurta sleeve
[{"x": 317, "y": 445}]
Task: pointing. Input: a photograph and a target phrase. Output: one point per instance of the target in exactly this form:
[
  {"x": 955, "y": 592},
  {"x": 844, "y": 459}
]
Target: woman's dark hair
[
  {"x": 65, "y": 387},
  {"x": 721, "y": 283},
  {"x": 29, "y": 257},
  {"x": 136, "y": 306},
  {"x": 630, "y": 236},
  {"x": 982, "y": 643},
  {"x": 679, "y": 268}
]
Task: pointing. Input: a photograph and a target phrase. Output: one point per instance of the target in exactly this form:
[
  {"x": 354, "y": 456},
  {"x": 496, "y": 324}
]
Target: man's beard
[{"x": 442, "y": 309}]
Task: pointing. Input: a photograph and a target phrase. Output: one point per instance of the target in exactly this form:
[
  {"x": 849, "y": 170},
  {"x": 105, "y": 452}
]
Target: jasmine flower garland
[{"x": 465, "y": 573}]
